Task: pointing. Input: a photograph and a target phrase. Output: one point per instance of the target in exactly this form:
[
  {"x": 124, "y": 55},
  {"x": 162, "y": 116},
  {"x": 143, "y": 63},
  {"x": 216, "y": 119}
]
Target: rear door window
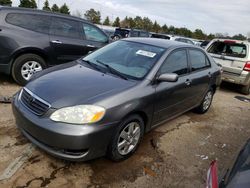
[
  {"x": 144, "y": 34},
  {"x": 34, "y": 22},
  {"x": 198, "y": 60},
  {"x": 93, "y": 33},
  {"x": 228, "y": 49},
  {"x": 65, "y": 28},
  {"x": 134, "y": 33},
  {"x": 176, "y": 62}
]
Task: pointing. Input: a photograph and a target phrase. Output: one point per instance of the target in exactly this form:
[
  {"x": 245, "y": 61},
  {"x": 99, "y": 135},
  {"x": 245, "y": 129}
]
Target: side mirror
[{"x": 168, "y": 77}]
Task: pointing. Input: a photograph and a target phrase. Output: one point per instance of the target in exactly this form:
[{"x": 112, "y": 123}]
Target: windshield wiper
[
  {"x": 112, "y": 70},
  {"x": 93, "y": 65}
]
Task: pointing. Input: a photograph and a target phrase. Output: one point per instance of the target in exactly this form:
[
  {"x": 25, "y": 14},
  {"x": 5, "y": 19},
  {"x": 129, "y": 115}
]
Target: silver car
[{"x": 234, "y": 57}]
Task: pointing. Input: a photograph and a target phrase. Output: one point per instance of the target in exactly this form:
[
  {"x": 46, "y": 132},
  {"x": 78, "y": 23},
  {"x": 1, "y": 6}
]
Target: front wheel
[
  {"x": 127, "y": 138},
  {"x": 25, "y": 66},
  {"x": 206, "y": 102}
]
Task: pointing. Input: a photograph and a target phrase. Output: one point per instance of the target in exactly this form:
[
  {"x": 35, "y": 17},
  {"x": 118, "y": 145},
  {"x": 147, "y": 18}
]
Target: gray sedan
[{"x": 104, "y": 103}]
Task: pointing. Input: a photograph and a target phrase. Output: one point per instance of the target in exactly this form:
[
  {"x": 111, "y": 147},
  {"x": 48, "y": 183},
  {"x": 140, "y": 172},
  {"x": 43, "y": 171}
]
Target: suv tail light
[
  {"x": 212, "y": 177},
  {"x": 247, "y": 66}
]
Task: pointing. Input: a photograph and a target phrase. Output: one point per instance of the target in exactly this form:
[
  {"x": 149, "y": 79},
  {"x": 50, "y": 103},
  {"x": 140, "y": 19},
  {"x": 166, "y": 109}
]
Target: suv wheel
[
  {"x": 116, "y": 37},
  {"x": 245, "y": 89},
  {"x": 127, "y": 138},
  {"x": 206, "y": 102},
  {"x": 25, "y": 66}
]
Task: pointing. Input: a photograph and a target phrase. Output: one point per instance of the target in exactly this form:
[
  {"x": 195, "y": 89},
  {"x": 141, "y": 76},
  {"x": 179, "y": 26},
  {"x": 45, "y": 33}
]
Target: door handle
[
  {"x": 91, "y": 46},
  {"x": 209, "y": 74},
  {"x": 187, "y": 82},
  {"x": 56, "y": 42}
]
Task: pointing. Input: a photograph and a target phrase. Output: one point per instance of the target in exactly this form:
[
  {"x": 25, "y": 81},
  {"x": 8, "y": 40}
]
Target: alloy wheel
[
  {"x": 129, "y": 138},
  {"x": 29, "y": 68},
  {"x": 207, "y": 101}
]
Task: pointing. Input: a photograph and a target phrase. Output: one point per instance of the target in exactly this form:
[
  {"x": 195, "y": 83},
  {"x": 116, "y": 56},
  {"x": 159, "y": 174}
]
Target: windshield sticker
[{"x": 145, "y": 53}]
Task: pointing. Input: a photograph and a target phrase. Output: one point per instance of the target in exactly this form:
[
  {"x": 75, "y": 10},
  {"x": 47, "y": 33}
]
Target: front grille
[{"x": 34, "y": 103}]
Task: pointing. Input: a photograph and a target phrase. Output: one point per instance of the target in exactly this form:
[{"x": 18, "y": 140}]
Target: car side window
[
  {"x": 93, "y": 33},
  {"x": 64, "y": 27},
  {"x": 33, "y": 22},
  {"x": 143, "y": 34},
  {"x": 189, "y": 42},
  {"x": 176, "y": 62},
  {"x": 198, "y": 60}
]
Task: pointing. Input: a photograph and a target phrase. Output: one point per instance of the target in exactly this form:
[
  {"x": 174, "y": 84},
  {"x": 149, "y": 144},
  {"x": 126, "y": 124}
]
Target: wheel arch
[
  {"x": 143, "y": 115},
  {"x": 28, "y": 50}
]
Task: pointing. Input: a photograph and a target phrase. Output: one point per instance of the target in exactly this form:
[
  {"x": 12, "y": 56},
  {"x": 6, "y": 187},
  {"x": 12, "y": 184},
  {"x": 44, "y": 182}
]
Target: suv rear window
[
  {"x": 39, "y": 23},
  {"x": 122, "y": 32},
  {"x": 228, "y": 49}
]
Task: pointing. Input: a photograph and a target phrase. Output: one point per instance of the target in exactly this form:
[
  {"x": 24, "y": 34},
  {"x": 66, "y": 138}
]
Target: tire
[
  {"x": 245, "y": 89},
  {"x": 31, "y": 63},
  {"x": 116, "y": 37},
  {"x": 206, "y": 102},
  {"x": 127, "y": 147}
]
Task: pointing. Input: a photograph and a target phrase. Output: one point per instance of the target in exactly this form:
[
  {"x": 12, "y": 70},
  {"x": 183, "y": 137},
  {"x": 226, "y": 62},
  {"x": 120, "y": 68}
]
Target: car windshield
[
  {"x": 229, "y": 49},
  {"x": 133, "y": 60}
]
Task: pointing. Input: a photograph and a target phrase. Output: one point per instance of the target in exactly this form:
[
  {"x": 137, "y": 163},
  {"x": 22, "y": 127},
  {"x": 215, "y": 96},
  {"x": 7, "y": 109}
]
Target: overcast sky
[{"x": 212, "y": 16}]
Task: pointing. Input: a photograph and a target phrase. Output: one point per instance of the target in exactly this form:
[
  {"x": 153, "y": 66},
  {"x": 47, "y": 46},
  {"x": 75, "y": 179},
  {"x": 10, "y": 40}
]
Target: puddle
[
  {"x": 244, "y": 99},
  {"x": 106, "y": 171},
  {"x": 45, "y": 181}
]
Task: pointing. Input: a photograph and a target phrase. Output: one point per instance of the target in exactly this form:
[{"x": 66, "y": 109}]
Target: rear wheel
[
  {"x": 206, "y": 102},
  {"x": 25, "y": 66},
  {"x": 116, "y": 37},
  {"x": 127, "y": 138},
  {"x": 245, "y": 89}
]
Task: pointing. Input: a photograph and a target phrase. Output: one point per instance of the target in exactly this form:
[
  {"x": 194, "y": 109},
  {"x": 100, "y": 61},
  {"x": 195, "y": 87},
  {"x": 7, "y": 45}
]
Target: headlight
[{"x": 81, "y": 114}]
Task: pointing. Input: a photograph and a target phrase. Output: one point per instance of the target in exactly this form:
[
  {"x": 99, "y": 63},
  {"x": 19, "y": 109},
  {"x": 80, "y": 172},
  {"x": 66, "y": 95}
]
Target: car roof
[
  {"x": 163, "y": 43},
  {"x": 43, "y": 12},
  {"x": 236, "y": 41}
]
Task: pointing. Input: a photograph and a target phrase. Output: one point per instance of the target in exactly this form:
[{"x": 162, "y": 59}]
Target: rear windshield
[
  {"x": 228, "y": 49},
  {"x": 121, "y": 32}
]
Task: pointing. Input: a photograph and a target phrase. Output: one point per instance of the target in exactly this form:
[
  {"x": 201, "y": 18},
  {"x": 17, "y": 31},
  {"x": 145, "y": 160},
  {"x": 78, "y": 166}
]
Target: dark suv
[
  {"x": 125, "y": 32},
  {"x": 31, "y": 40}
]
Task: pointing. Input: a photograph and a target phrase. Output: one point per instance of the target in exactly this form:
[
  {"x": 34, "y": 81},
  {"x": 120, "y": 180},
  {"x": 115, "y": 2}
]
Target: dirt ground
[{"x": 176, "y": 154}]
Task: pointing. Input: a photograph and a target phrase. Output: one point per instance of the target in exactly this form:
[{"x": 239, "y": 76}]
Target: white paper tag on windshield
[{"x": 146, "y": 53}]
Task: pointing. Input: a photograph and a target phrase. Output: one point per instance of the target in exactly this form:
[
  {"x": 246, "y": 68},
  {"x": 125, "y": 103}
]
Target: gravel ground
[{"x": 176, "y": 154}]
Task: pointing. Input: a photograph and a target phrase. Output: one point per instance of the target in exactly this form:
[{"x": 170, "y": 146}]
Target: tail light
[
  {"x": 247, "y": 66},
  {"x": 212, "y": 176}
]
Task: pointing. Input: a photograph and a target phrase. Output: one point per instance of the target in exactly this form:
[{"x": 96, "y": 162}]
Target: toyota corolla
[{"x": 104, "y": 103}]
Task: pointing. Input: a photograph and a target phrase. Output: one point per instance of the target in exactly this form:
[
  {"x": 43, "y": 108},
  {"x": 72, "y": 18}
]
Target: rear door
[
  {"x": 66, "y": 40},
  {"x": 94, "y": 37},
  {"x": 230, "y": 54},
  {"x": 200, "y": 74}
]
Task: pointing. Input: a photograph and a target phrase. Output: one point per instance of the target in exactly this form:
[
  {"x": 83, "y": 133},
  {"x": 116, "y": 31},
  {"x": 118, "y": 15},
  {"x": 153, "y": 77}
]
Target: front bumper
[
  {"x": 242, "y": 79},
  {"x": 66, "y": 141}
]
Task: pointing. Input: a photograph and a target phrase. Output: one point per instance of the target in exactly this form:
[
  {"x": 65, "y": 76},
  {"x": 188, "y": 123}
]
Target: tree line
[
  {"x": 137, "y": 22},
  {"x": 32, "y": 4}
]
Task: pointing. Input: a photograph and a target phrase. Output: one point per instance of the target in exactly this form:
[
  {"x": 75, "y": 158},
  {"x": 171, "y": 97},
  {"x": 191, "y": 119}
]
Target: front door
[
  {"x": 94, "y": 37},
  {"x": 173, "y": 98}
]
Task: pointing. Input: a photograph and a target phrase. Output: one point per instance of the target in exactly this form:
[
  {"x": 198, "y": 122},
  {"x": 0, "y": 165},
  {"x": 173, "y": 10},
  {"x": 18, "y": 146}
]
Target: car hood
[
  {"x": 240, "y": 172},
  {"x": 74, "y": 84}
]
